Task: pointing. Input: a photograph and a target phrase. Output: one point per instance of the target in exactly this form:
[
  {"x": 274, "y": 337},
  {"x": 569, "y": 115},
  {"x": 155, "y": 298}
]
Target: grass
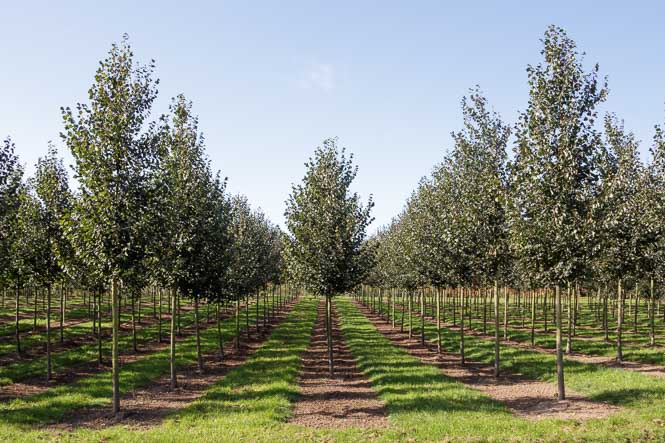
[
  {"x": 253, "y": 402},
  {"x": 53, "y": 405},
  {"x": 87, "y": 353},
  {"x": 642, "y": 396}
]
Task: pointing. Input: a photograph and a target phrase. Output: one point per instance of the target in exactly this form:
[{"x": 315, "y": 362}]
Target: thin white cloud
[{"x": 319, "y": 76}]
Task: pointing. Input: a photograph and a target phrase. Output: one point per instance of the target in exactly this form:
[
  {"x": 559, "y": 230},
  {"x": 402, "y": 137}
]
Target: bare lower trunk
[
  {"x": 49, "y": 368},
  {"x": 174, "y": 309},
  {"x": 18, "y": 322},
  {"x": 496, "y": 330},
  {"x": 199, "y": 357},
  {"x": 438, "y": 320},
  {"x": 559, "y": 350},
  {"x": 619, "y": 322},
  {"x": 115, "y": 348}
]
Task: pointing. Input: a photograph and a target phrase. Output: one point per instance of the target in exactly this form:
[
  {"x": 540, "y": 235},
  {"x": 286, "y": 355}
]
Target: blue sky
[{"x": 270, "y": 80}]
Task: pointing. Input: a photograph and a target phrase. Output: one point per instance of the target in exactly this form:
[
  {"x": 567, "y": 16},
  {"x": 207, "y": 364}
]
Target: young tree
[
  {"x": 554, "y": 171},
  {"x": 623, "y": 237},
  {"x": 113, "y": 153},
  {"x": 480, "y": 164},
  {"x": 184, "y": 212},
  {"x": 11, "y": 187},
  {"x": 52, "y": 191},
  {"x": 327, "y": 225}
]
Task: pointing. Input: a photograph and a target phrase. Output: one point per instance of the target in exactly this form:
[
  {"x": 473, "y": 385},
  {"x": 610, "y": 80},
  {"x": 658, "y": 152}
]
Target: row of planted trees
[
  {"x": 149, "y": 214},
  {"x": 573, "y": 212}
]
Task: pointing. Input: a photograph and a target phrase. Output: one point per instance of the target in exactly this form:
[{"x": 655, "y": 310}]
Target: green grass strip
[{"x": 642, "y": 396}]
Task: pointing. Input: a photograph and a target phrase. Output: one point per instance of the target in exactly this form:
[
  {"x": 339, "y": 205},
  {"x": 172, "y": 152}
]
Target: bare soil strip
[
  {"x": 37, "y": 385},
  {"x": 344, "y": 400},
  {"x": 531, "y": 399},
  {"x": 147, "y": 407}
]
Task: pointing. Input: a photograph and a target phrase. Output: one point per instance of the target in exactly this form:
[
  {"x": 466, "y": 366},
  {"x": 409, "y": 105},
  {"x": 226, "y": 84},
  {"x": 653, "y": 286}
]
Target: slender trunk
[
  {"x": 497, "y": 355},
  {"x": 174, "y": 321},
  {"x": 48, "y": 332},
  {"x": 410, "y": 314},
  {"x": 159, "y": 317},
  {"x": 219, "y": 333},
  {"x": 636, "y": 307},
  {"x": 559, "y": 350},
  {"x": 569, "y": 337},
  {"x": 63, "y": 302},
  {"x": 199, "y": 357},
  {"x": 98, "y": 313},
  {"x": 461, "y": 327},
  {"x": 18, "y": 322},
  {"x": 115, "y": 348},
  {"x": 652, "y": 324},
  {"x": 505, "y": 313},
  {"x": 237, "y": 338},
  {"x": 619, "y": 322},
  {"x": 133, "y": 303},
  {"x": 534, "y": 299},
  {"x": 422, "y": 317},
  {"x": 438, "y": 320},
  {"x": 606, "y": 334}
]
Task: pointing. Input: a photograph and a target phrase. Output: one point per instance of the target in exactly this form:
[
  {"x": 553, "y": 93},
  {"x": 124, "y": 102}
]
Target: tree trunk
[
  {"x": 438, "y": 320},
  {"x": 505, "y": 313},
  {"x": 63, "y": 303},
  {"x": 219, "y": 333},
  {"x": 619, "y": 322},
  {"x": 115, "y": 348},
  {"x": 174, "y": 314},
  {"x": 48, "y": 332},
  {"x": 133, "y": 303},
  {"x": 422, "y": 317},
  {"x": 652, "y": 323},
  {"x": 18, "y": 321},
  {"x": 159, "y": 317},
  {"x": 98, "y": 313},
  {"x": 410, "y": 309},
  {"x": 559, "y": 350},
  {"x": 534, "y": 299},
  {"x": 199, "y": 357},
  {"x": 496, "y": 330},
  {"x": 237, "y": 338},
  {"x": 461, "y": 327},
  {"x": 569, "y": 337},
  {"x": 606, "y": 332}
]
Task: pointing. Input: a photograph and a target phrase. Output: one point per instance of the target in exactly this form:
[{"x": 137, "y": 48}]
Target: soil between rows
[
  {"x": 36, "y": 385},
  {"x": 147, "y": 407},
  {"x": 343, "y": 400},
  {"x": 524, "y": 397}
]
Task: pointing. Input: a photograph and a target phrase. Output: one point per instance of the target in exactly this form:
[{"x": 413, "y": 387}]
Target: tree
[
  {"x": 554, "y": 171},
  {"x": 113, "y": 153},
  {"x": 11, "y": 188},
  {"x": 623, "y": 240},
  {"x": 54, "y": 199},
  {"x": 480, "y": 167},
  {"x": 327, "y": 225},
  {"x": 185, "y": 212}
]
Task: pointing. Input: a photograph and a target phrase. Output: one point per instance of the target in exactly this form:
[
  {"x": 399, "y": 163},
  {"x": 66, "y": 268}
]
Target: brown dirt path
[
  {"x": 344, "y": 400},
  {"x": 149, "y": 406},
  {"x": 526, "y": 398}
]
